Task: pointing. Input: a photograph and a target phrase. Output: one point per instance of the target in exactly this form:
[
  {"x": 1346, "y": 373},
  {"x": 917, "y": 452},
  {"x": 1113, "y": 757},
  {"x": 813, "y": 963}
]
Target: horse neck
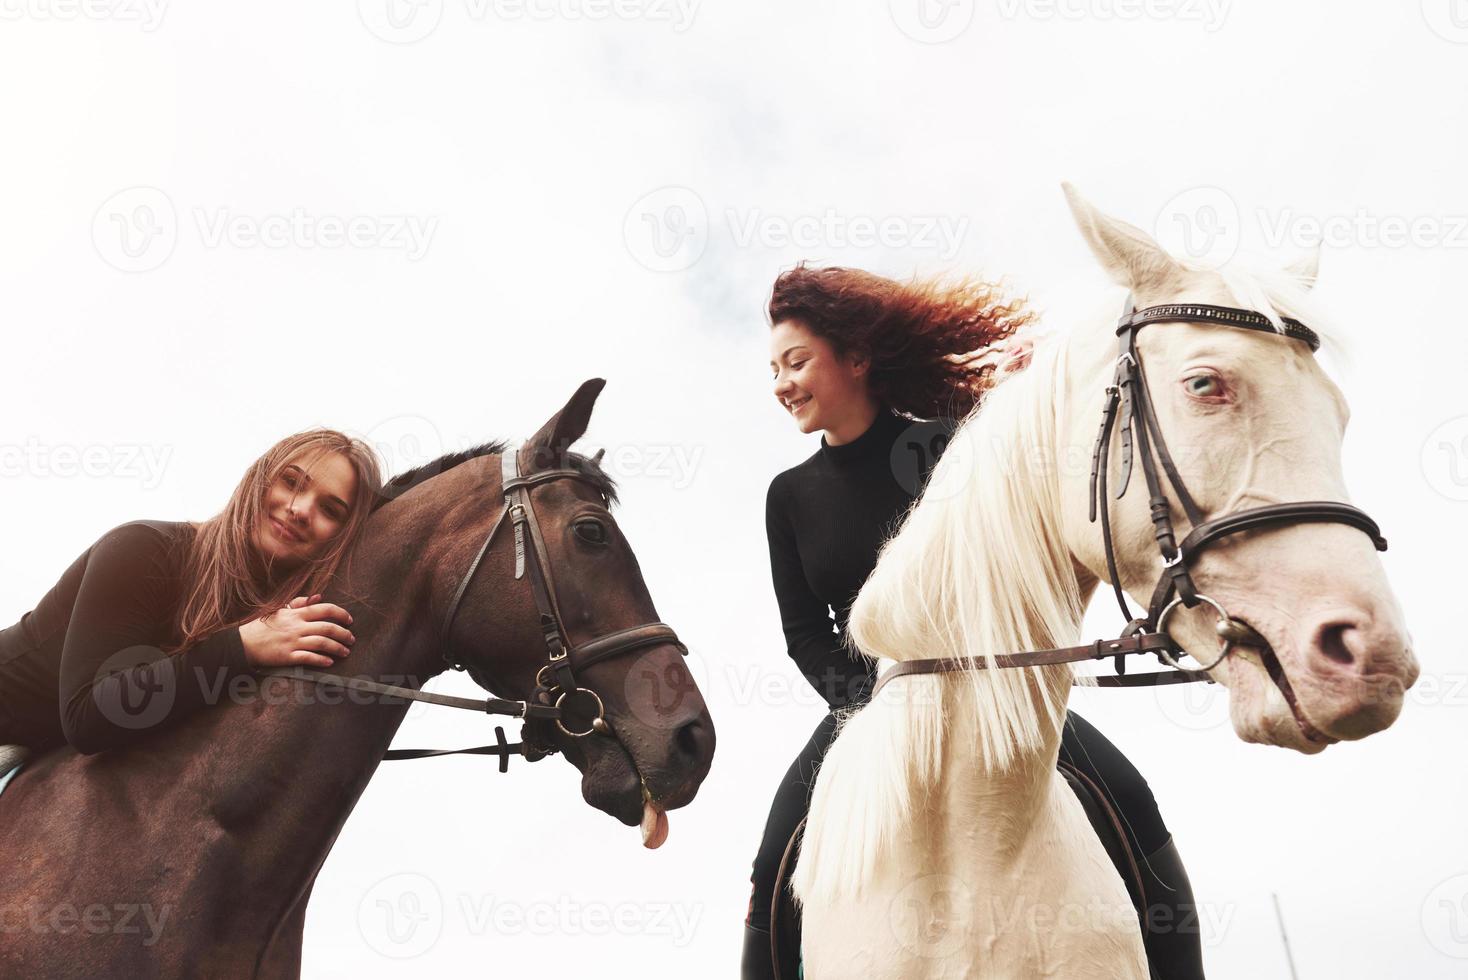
[
  {"x": 300, "y": 759},
  {"x": 1007, "y": 804}
]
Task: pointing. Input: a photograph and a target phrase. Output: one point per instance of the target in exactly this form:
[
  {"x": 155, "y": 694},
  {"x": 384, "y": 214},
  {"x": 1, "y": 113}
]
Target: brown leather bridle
[
  {"x": 1128, "y": 399},
  {"x": 558, "y": 696}
]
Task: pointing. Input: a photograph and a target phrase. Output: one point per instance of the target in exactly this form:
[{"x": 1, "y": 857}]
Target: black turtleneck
[
  {"x": 86, "y": 666},
  {"x": 826, "y": 520}
]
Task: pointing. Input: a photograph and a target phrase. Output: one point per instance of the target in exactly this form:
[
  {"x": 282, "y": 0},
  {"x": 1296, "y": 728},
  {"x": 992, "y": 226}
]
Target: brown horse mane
[{"x": 403, "y": 482}]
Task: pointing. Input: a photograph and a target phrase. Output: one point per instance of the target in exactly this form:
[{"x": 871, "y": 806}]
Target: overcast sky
[{"x": 428, "y": 223}]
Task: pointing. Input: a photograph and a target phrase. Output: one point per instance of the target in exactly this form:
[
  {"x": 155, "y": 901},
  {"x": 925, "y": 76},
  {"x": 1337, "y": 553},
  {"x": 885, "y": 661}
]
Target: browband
[{"x": 1223, "y": 315}]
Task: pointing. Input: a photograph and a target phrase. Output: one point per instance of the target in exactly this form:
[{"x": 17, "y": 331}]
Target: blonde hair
[{"x": 221, "y": 567}]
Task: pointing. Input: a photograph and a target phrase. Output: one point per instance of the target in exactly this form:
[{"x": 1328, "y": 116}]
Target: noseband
[
  {"x": 1129, "y": 410},
  {"x": 558, "y": 695}
]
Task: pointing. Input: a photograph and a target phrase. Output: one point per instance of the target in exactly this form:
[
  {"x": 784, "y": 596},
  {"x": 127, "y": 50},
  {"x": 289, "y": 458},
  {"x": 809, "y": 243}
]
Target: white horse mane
[{"x": 979, "y": 567}]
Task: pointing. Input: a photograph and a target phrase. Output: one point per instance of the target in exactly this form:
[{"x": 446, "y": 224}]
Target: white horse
[{"x": 941, "y": 841}]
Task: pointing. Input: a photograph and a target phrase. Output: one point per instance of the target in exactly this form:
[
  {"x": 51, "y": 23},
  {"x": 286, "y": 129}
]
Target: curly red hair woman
[{"x": 865, "y": 360}]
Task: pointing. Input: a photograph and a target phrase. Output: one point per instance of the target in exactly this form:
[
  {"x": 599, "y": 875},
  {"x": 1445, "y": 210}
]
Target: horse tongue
[{"x": 654, "y": 825}]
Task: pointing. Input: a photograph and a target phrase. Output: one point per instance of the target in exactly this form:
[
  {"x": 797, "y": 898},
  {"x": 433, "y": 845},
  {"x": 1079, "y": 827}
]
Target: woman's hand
[{"x": 305, "y": 633}]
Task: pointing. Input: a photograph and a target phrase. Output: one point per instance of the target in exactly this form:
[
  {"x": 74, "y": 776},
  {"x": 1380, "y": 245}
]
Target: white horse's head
[{"x": 1250, "y": 419}]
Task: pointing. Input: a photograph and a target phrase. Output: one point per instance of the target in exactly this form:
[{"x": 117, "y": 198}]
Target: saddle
[
  {"x": 785, "y": 917},
  {"x": 11, "y": 759}
]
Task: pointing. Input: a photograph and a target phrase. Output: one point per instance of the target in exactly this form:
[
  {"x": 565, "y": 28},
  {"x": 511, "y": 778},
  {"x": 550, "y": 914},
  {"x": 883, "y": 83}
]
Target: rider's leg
[
  {"x": 792, "y": 799},
  {"x": 1173, "y": 941}
]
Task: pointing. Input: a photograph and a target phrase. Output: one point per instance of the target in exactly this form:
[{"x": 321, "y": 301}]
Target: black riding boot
[
  {"x": 1174, "y": 939},
  {"x": 756, "y": 963}
]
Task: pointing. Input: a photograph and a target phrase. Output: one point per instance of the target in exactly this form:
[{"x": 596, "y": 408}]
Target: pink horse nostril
[{"x": 1333, "y": 640}]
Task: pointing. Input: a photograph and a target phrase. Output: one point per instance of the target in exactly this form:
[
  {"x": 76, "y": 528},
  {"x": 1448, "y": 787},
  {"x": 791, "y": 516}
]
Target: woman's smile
[{"x": 284, "y": 533}]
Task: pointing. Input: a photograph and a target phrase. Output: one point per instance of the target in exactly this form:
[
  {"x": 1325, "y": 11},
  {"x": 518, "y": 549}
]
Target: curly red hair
[{"x": 925, "y": 337}]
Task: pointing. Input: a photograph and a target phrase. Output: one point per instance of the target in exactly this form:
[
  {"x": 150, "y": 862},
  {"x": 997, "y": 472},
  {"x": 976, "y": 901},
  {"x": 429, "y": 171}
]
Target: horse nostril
[
  {"x": 690, "y": 740},
  {"x": 1333, "y": 643}
]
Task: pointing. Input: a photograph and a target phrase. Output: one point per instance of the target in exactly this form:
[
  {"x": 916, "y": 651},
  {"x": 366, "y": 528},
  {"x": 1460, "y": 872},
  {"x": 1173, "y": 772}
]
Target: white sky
[{"x": 536, "y": 153}]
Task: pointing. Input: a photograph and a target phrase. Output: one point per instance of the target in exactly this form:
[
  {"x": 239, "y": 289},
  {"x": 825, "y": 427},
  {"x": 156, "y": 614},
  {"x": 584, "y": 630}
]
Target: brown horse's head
[{"x": 658, "y": 741}]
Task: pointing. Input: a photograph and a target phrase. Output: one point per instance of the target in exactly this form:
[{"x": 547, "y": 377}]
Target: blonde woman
[{"x": 149, "y": 624}]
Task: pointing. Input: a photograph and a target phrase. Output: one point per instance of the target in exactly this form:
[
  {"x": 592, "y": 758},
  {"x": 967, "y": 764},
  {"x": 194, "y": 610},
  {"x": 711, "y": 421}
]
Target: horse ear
[
  {"x": 548, "y": 446},
  {"x": 1128, "y": 253},
  {"x": 1306, "y": 268}
]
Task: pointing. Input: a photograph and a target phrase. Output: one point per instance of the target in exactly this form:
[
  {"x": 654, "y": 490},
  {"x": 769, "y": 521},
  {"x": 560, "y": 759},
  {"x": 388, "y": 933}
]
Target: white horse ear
[
  {"x": 1306, "y": 268},
  {"x": 1128, "y": 253}
]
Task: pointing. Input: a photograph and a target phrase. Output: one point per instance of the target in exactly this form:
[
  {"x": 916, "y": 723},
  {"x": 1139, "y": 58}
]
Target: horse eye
[
  {"x": 590, "y": 531},
  {"x": 1205, "y": 386}
]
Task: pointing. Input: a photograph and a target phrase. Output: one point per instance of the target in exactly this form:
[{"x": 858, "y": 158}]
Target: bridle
[
  {"x": 558, "y": 696},
  {"x": 1129, "y": 410},
  {"x": 555, "y": 682}
]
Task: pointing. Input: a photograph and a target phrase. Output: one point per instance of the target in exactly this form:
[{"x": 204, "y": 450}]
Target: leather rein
[
  {"x": 1129, "y": 410},
  {"x": 558, "y": 696}
]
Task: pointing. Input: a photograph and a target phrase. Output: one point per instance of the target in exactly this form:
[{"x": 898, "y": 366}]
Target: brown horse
[{"x": 194, "y": 853}]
